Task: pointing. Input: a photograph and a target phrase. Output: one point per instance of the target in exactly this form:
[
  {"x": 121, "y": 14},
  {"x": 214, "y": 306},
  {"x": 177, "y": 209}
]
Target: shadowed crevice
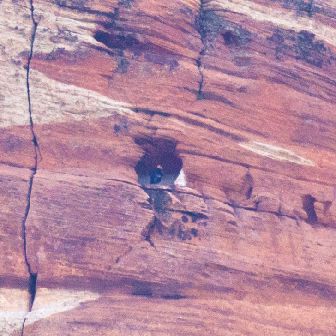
[
  {"x": 308, "y": 204},
  {"x": 32, "y": 282},
  {"x": 199, "y": 61}
]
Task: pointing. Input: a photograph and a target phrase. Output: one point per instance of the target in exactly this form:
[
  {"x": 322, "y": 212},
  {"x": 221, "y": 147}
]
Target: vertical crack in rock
[
  {"x": 32, "y": 276},
  {"x": 199, "y": 62}
]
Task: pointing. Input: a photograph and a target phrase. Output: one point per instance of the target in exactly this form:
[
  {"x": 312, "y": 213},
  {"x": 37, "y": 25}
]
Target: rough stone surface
[{"x": 227, "y": 107}]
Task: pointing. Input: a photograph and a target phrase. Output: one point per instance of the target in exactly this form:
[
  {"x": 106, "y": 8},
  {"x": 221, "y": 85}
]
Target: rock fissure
[
  {"x": 32, "y": 282},
  {"x": 199, "y": 60}
]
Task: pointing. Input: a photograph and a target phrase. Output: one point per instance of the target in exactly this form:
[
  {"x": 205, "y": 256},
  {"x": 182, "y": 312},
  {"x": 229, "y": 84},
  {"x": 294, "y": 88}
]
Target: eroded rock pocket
[{"x": 160, "y": 164}]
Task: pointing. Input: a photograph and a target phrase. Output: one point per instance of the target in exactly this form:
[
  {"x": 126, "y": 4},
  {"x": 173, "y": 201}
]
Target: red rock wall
[{"x": 239, "y": 96}]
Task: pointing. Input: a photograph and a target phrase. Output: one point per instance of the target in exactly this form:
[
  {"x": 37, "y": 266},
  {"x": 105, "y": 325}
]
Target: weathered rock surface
[{"x": 167, "y": 167}]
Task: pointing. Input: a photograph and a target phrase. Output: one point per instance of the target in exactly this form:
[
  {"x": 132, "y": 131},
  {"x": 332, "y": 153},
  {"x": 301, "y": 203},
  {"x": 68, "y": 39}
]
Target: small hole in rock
[
  {"x": 308, "y": 203},
  {"x": 160, "y": 164},
  {"x": 184, "y": 219},
  {"x": 194, "y": 232},
  {"x": 116, "y": 128},
  {"x": 229, "y": 37}
]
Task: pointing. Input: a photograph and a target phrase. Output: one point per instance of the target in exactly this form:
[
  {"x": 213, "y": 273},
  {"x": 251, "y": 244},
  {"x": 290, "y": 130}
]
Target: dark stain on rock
[
  {"x": 120, "y": 42},
  {"x": 236, "y": 36},
  {"x": 277, "y": 39},
  {"x": 196, "y": 216},
  {"x": 123, "y": 64},
  {"x": 166, "y": 223},
  {"x": 142, "y": 289},
  {"x": 72, "y": 4},
  {"x": 181, "y": 231},
  {"x": 117, "y": 129},
  {"x": 309, "y": 287},
  {"x": 113, "y": 41},
  {"x": 209, "y": 24},
  {"x": 302, "y": 46},
  {"x": 309, "y": 50},
  {"x": 155, "y": 225},
  {"x": 302, "y": 7},
  {"x": 207, "y": 95},
  {"x": 63, "y": 55},
  {"x": 151, "y": 112},
  {"x": 159, "y": 199},
  {"x": 56, "y": 54},
  {"x": 230, "y": 38},
  {"x": 183, "y": 234},
  {"x": 123, "y": 125},
  {"x": 173, "y": 297},
  {"x": 126, "y": 3}
]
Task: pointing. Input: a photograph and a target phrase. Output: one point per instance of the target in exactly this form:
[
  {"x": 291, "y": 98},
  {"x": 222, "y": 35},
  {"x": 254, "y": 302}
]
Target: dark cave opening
[{"x": 160, "y": 164}]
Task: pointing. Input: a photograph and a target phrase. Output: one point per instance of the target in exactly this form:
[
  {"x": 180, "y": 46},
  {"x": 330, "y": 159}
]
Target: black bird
[{"x": 156, "y": 175}]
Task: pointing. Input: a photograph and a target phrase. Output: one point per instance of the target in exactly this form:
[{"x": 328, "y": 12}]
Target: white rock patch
[
  {"x": 181, "y": 180},
  {"x": 276, "y": 153},
  {"x": 53, "y": 301},
  {"x": 278, "y": 17},
  {"x": 48, "y": 302}
]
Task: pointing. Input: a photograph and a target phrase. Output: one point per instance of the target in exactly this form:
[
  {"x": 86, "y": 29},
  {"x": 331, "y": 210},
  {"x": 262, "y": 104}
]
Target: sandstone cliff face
[{"x": 167, "y": 167}]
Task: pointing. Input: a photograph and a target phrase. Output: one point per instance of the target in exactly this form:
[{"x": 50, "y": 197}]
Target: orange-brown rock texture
[{"x": 168, "y": 168}]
